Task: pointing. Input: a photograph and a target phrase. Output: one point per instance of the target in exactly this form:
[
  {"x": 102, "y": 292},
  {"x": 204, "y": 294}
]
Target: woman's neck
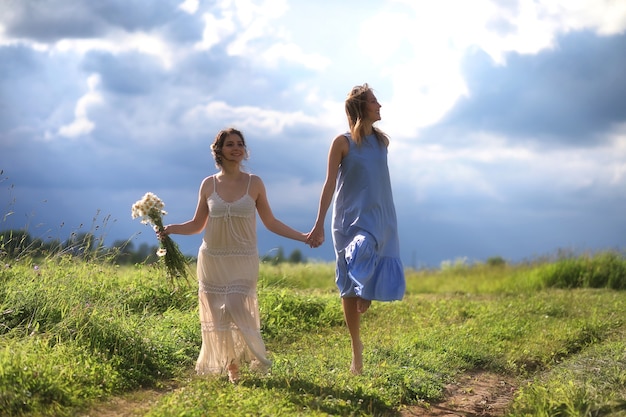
[
  {"x": 230, "y": 170},
  {"x": 368, "y": 129}
]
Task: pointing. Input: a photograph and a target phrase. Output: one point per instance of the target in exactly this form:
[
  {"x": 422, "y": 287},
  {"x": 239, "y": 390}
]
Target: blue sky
[{"x": 507, "y": 118}]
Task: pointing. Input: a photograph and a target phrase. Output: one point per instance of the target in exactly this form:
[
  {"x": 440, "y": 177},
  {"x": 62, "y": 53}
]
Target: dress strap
[{"x": 249, "y": 181}]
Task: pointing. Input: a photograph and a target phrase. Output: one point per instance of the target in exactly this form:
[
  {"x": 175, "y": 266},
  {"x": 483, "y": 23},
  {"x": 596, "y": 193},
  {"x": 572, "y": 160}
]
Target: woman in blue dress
[{"x": 364, "y": 225}]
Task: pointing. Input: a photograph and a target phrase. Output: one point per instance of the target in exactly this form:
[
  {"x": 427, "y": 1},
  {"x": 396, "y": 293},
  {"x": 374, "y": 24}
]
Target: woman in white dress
[{"x": 228, "y": 260}]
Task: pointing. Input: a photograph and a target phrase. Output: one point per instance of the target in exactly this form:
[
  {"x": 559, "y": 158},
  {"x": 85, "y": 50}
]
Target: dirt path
[
  {"x": 134, "y": 404},
  {"x": 474, "y": 394}
]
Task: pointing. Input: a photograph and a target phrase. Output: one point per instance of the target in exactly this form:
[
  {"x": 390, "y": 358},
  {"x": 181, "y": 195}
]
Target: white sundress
[{"x": 228, "y": 271}]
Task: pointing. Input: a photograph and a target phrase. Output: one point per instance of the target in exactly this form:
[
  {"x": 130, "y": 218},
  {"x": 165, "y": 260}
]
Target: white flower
[
  {"x": 149, "y": 205},
  {"x": 150, "y": 209}
]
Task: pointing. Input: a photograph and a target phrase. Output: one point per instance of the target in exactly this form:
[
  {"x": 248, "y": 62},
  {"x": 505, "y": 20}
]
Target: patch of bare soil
[
  {"x": 134, "y": 404},
  {"x": 472, "y": 395}
]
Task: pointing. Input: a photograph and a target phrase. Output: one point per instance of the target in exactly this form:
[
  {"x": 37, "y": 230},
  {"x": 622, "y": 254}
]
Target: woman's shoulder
[
  {"x": 345, "y": 137},
  {"x": 254, "y": 178},
  {"x": 255, "y": 181},
  {"x": 256, "y": 187},
  {"x": 342, "y": 141},
  {"x": 207, "y": 185},
  {"x": 208, "y": 180}
]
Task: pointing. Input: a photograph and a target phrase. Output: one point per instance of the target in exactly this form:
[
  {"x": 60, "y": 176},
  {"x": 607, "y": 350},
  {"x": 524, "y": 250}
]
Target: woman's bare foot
[
  {"x": 356, "y": 367},
  {"x": 233, "y": 373},
  {"x": 362, "y": 305}
]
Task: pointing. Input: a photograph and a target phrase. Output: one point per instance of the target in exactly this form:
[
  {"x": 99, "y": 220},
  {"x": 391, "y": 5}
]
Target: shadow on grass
[{"x": 333, "y": 400}]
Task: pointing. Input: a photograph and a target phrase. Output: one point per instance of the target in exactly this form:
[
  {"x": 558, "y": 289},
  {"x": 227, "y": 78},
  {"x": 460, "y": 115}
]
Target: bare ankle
[{"x": 356, "y": 367}]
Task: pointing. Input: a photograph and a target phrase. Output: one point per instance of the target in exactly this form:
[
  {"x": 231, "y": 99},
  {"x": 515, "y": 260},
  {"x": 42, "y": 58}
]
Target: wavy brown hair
[{"x": 218, "y": 144}]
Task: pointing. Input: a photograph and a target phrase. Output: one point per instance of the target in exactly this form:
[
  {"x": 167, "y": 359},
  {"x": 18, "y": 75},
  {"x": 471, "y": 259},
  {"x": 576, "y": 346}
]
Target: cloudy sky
[{"x": 507, "y": 118}]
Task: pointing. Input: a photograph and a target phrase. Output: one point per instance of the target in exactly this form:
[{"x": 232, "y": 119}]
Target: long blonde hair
[{"x": 355, "y": 110}]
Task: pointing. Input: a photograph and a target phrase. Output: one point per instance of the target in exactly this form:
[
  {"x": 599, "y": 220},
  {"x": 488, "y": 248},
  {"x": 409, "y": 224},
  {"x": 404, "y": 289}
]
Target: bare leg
[{"x": 353, "y": 321}]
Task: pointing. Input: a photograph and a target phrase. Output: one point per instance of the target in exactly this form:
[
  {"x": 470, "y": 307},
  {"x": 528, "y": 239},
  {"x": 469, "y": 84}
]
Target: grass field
[{"x": 75, "y": 333}]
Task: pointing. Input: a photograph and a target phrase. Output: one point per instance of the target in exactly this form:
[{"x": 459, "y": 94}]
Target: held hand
[{"x": 316, "y": 237}]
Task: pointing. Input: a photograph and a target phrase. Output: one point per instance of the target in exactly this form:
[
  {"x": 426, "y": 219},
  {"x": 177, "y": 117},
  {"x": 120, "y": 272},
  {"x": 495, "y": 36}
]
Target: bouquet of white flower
[{"x": 150, "y": 209}]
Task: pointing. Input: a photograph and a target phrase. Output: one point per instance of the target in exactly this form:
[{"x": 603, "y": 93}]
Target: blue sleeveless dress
[{"x": 364, "y": 225}]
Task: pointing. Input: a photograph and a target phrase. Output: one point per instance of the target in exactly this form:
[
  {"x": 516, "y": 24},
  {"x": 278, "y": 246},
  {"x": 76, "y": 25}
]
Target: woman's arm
[
  {"x": 201, "y": 216},
  {"x": 257, "y": 190},
  {"x": 338, "y": 150}
]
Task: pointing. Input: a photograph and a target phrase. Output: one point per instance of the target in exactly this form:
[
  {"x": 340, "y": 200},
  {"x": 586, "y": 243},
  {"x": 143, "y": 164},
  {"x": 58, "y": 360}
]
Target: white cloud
[
  {"x": 608, "y": 17},
  {"x": 491, "y": 167},
  {"x": 81, "y": 125},
  {"x": 244, "y": 21},
  {"x": 215, "y": 31},
  {"x": 254, "y": 32},
  {"x": 420, "y": 52},
  {"x": 189, "y": 6},
  {"x": 13, "y": 41},
  {"x": 247, "y": 117},
  {"x": 250, "y": 11},
  {"x": 290, "y": 52},
  {"x": 119, "y": 41},
  {"x": 616, "y": 168},
  {"x": 115, "y": 41},
  {"x": 435, "y": 169}
]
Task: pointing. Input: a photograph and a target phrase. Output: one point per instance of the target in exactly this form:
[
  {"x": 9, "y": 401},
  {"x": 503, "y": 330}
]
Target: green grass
[{"x": 73, "y": 333}]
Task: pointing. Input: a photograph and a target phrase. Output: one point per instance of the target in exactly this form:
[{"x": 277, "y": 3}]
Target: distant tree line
[
  {"x": 295, "y": 257},
  {"x": 15, "y": 244}
]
